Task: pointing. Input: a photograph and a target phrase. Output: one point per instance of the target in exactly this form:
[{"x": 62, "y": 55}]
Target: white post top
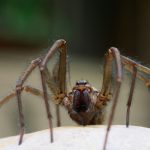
[{"x": 82, "y": 138}]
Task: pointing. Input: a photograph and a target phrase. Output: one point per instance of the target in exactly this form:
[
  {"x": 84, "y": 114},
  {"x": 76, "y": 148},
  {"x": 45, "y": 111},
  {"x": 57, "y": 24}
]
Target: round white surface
[{"x": 82, "y": 138}]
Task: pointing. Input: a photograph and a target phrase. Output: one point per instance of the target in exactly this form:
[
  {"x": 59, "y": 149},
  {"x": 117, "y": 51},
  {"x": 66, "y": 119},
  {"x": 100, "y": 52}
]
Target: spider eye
[
  {"x": 81, "y": 82},
  {"x": 77, "y": 83}
]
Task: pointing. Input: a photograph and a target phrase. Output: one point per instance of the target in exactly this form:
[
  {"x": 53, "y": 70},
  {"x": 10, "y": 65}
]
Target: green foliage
[{"x": 32, "y": 20}]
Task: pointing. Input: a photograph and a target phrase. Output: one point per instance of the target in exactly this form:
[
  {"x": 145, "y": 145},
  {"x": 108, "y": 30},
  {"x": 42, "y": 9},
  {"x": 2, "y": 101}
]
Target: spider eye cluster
[{"x": 81, "y": 82}]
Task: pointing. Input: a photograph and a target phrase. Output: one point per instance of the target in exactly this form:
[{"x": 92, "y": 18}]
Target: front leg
[
  {"x": 19, "y": 85},
  {"x": 45, "y": 96},
  {"x": 113, "y": 54},
  {"x": 105, "y": 94},
  {"x": 57, "y": 81}
]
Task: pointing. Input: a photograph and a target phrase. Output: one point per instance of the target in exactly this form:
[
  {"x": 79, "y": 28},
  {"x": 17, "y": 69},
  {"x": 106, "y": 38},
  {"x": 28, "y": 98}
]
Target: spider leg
[
  {"x": 34, "y": 91},
  {"x": 105, "y": 94},
  {"x": 61, "y": 75},
  {"x": 136, "y": 70},
  {"x": 53, "y": 86},
  {"x": 128, "y": 63},
  {"x": 131, "y": 94},
  {"x": 26, "y": 88},
  {"x": 29, "y": 89},
  {"x": 47, "y": 104},
  {"x": 113, "y": 53},
  {"x": 58, "y": 115},
  {"x": 20, "y": 82},
  {"x": 7, "y": 98},
  {"x": 56, "y": 83}
]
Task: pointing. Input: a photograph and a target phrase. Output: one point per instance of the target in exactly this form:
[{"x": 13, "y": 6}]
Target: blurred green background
[{"x": 27, "y": 30}]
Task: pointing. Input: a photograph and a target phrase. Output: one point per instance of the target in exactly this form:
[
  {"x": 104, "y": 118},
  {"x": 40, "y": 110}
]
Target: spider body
[
  {"x": 81, "y": 104},
  {"x": 85, "y": 105}
]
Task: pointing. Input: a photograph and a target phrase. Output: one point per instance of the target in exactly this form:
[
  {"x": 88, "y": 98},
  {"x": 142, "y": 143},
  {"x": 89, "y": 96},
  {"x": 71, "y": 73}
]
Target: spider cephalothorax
[
  {"x": 81, "y": 100},
  {"x": 82, "y": 96},
  {"x": 84, "y": 104}
]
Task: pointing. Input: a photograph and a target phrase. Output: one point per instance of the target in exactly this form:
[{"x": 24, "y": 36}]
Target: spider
[{"x": 84, "y": 103}]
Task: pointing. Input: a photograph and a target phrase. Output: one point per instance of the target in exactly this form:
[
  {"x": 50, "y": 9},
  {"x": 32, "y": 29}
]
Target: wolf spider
[{"x": 84, "y": 103}]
